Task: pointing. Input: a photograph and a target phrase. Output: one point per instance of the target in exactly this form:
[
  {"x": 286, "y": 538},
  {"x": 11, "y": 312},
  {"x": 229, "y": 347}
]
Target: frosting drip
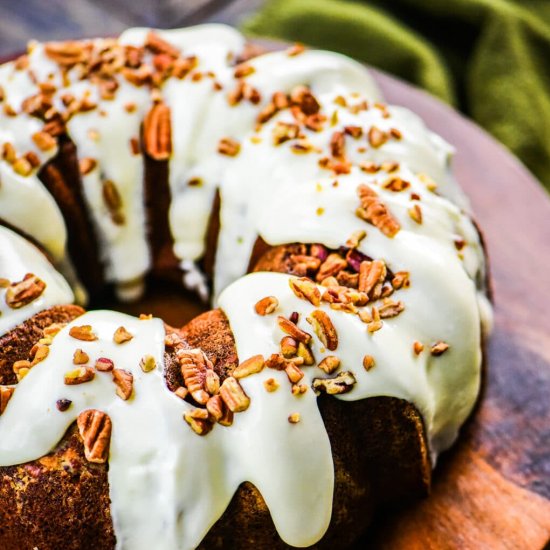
[{"x": 158, "y": 468}]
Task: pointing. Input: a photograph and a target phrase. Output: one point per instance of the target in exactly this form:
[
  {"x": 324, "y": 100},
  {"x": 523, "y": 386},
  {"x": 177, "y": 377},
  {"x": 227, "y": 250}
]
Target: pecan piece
[
  {"x": 121, "y": 335},
  {"x": 80, "y": 357},
  {"x": 342, "y": 383},
  {"x": 371, "y": 277},
  {"x": 66, "y": 53},
  {"x": 157, "y": 132},
  {"x": 293, "y": 330},
  {"x": 79, "y": 375},
  {"x": 22, "y": 293},
  {"x": 304, "y": 288},
  {"x": 289, "y": 347},
  {"x": 194, "y": 369},
  {"x": 368, "y": 362},
  {"x": 373, "y": 211},
  {"x": 229, "y": 147},
  {"x": 294, "y": 418},
  {"x": 324, "y": 329},
  {"x": 266, "y": 305},
  {"x": 294, "y": 373},
  {"x": 233, "y": 395},
  {"x": 330, "y": 364},
  {"x": 103, "y": 364},
  {"x": 439, "y": 348},
  {"x": 147, "y": 363},
  {"x": 253, "y": 365},
  {"x": 199, "y": 421},
  {"x": 124, "y": 381},
  {"x": 95, "y": 430},
  {"x": 271, "y": 385}
]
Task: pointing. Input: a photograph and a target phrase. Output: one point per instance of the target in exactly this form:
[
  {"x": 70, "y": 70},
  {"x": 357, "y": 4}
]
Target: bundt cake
[{"x": 348, "y": 278}]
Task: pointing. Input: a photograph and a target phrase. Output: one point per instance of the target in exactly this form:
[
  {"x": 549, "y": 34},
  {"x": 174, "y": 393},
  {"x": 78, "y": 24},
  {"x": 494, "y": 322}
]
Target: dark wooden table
[{"x": 492, "y": 491}]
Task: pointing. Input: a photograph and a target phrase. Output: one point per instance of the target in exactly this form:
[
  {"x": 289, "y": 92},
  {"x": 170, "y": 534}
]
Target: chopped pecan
[
  {"x": 266, "y": 305},
  {"x": 368, "y": 362},
  {"x": 324, "y": 329},
  {"x": 355, "y": 238},
  {"x": 253, "y": 365},
  {"x": 147, "y": 363},
  {"x": 243, "y": 70},
  {"x": 194, "y": 368},
  {"x": 285, "y": 131},
  {"x": 21, "y": 369},
  {"x": 86, "y": 165},
  {"x": 5, "y": 395},
  {"x": 418, "y": 347},
  {"x": 95, "y": 430},
  {"x": 302, "y": 97},
  {"x": 79, "y": 375},
  {"x": 113, "y": 201},
  {"x": 330, "y": 364},
  {"x": 306, "y": 289},
  {"x": 377, "y": 137},
  {"x": 104, "y": 365},
  {"x": 80, "y": 357},
  {"x": 212, "y": 382},
  {"x": 331, "y": 267},
  {"x": 44, "y": 141},
  {"x": 124, "y": 382},
  {"x": 293, "y": 330},
  {"x": 66, "y": 53},
  {"x": 289, "y": 347},
  {"x": 396, "y": 184},
  {"x": 158, "y": 45},
  {"x": 304, "y": 352},
  {"x": 121, "y": 335},
  {"x": 215, "y": 407},
  {"x": 371, "y": 278},
  {"x": 400, "y": 280},
  {"x": 338, "y": 145},
  {"x": 294, "y": 373},
  {"x": 229, "y": 147},
  {"x": 233, "y": 395},
  {"x": 157, "y": 132},
  {"x": 271, "y": 385},
  {"x": 373, "y": 211},
  {"x": 439, "y": 348},
  {"x": 39, "y": 352},
  {"x": 415, "y": 213},
  {"x": 390, "y": 309},
  {"x": 22, "y": 293},
  {"x": 199, "y": 421},
  {"x": 294, "y": 418},
  {"x": 342, "y": 383}
]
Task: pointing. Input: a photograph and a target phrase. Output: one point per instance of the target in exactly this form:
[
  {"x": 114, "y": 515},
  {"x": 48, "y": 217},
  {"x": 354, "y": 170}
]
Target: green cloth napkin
[{"x": 489, "y": 58}]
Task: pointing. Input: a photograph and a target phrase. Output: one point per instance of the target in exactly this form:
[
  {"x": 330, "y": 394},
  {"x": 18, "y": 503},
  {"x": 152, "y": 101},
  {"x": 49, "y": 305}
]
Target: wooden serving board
[{"x": 492, "y": 490}]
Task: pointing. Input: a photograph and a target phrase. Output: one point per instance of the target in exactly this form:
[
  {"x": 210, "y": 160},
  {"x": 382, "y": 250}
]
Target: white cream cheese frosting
[
  {"x": 159, "y": 468},
  {"x": 17, "y": 258}
]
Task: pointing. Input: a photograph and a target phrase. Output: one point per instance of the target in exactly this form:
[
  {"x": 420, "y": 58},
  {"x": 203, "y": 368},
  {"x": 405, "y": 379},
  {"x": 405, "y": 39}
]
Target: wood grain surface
[{"x": 492, "y": 490}]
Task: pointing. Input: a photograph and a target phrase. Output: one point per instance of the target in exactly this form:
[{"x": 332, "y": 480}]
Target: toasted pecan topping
[
  {"x": 22, "y": 293},
  {"x": 390, "y": 309},
  {"x": 342, "y": 383},
  {"x": 104, "y": 365},
  {"x": 324, "y": 329},
  {"x": 293, "y": 330},
  {"x": 377, "y": 137},
  {"x": 330, "y": 364},
  {"x": 229, "y": 147},
  {"x": 285, "y": 131},
  {"x": 333, "y": 264},
  {"x": 5, "y": 395},
  {"x": 233, "y": 395},
  {"x": 415, "y": 213},
  {"x": 95, "y": 430},
  {"x": 396, "y": 184},
  {"x": 271, "y": 385},
  {"x": 289, "y": 347},
  {"x": 338, "y": 145},
  {"x": 147, "y": 363},
  {"x": 157, "y": 132},
  {"x": 253, "y": 365},
  {"x": 124, "y": 382},
  {"x": 306, "y": 289},
  {"x": 86, "y": 165},
  {"x": 439, "y": 348},
  {"x": 158, "y": 45},
  {"x": 194, "y": 369},
  {"x": 376, "y": 323},
  {"x": 373, "y": 211},
  {"x": 21, "y": 368},
  {"x": 67, "y": 53},
  {"x": 355, "y": 238},
  {"x": 294, "y": 373},
  {"x": 294, "y": 418},
  {"x": 215, "y": 407},
  {"x": 371, "y": 278},
  {"x": 83, "y": 332},
  {"x": 44, "y": 141},
  {"x": 368, "y": 362},
  {"x": 266, "y": 305},
  {"x": 400, "y": 280},
  {"x": 243, "y": 70},
  {"x": 80, "y": 357},
  {"x": 418, "y": 347},
  {"x": 199, "y": 421},
  {"x": 80, "y": 375},
  {"x": 304, "y": 352},
  {"x": 302, "y": 97},
  {"x": 121, "y": 335},
  {"x": 113, "y": 201}
]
